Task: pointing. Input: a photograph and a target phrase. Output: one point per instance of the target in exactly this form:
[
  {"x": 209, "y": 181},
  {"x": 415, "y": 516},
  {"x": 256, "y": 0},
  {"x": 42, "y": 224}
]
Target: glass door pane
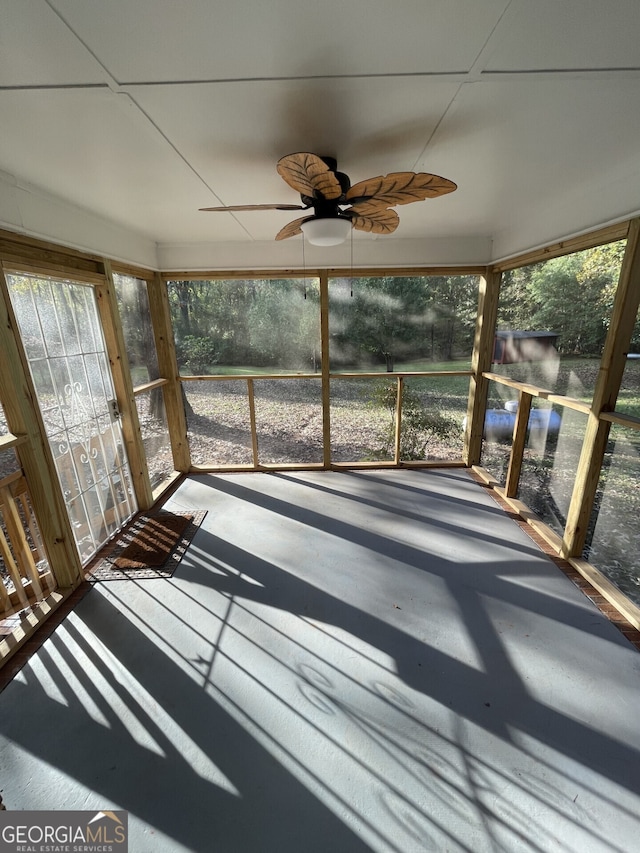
[{"x": 62, "y": 337}]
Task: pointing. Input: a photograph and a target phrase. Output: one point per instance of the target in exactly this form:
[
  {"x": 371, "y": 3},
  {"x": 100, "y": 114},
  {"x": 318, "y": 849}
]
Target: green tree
[
  {"x": 601, "y": 266},
  {"x": 517, "y": 305},
  {"x": 259, "y": 322},
  {"x": 570, "y": 304},
  {"x": 451, "y": 312},
  {"x": 197, "y": 354},
  {"x": 390, "y": 319},
  {"x": 284, "y": 324},
  {"x": 572, "y": 295}
]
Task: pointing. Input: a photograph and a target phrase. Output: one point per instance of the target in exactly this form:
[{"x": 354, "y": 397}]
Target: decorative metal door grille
[{"x": 62, "y": 337}]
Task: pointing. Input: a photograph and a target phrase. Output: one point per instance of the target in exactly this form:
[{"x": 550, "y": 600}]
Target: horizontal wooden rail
[
  {"x": 31, "y": 620},
  {"x": 400, "y": 374},
  {"x": 568, "y": 402},
  {"x": 46, "y": 268},
  {"x": 237, "y": 275},
  {"x": 7, "y": 481},
  {"x": 8, "y": 441},
  {"x": 542, "y": 393},
  {"x": 609, "y": 234},
  {"x": 332, "y": 272},
  {"x": 222, "y": 377},
  {"x": 149, "y": 386},
  {"x": 621, "y": 419},
  {"x": 392, "y": 374}
]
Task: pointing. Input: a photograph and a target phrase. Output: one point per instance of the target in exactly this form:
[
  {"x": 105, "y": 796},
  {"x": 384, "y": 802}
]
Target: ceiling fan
[{"x": 337, "y": 206}]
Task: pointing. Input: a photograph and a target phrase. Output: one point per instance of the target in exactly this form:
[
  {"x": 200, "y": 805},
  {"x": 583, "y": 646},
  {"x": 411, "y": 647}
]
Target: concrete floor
[{"x": 343, "y": 662}]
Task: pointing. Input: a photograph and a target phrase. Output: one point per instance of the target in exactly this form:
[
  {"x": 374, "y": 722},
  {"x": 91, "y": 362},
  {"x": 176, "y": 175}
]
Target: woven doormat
[{"x": 150, "y": 547}]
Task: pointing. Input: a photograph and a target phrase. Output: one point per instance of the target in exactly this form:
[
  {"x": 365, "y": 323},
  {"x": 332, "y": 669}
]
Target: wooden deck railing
[
  {"x": 562, "y": 545},
  {"x": 397, "y": 377},
  {"x": 25, "y": 574}
]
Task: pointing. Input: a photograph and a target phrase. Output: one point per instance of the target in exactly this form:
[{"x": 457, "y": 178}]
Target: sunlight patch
[
  {"x": 144, "y": 706},
  {"x": 70, "y": 680},
  {"x": 48, "y": 685}
]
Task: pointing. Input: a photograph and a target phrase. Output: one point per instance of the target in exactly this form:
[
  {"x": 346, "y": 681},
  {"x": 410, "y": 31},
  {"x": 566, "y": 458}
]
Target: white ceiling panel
[
  {"x": 163, "y": 40},
  {"x": 519, "y": 147},
  {"x": 38, "y": 49},
  {"x": 577, "y": 34},
  {"x": 93, "y": 149}
]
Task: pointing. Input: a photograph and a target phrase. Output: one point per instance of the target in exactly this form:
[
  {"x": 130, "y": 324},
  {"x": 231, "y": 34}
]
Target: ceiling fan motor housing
[{"x": 324, "y": 208}]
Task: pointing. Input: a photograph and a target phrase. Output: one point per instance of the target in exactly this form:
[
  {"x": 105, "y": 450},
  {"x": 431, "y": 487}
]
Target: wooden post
[
  {"x": 481, "y": 360},
  {"x": 23, "y": 418},
  {"x": 612, "y": 364},
  {"x": 400, "y": 387},
  {"x": 168, "y": 365},
  {"x": 123, "y": 385},
  {"x": 252, "y": 421},
  {"x": 326, "y": 391},
  {"x": 518, "y": 444}
]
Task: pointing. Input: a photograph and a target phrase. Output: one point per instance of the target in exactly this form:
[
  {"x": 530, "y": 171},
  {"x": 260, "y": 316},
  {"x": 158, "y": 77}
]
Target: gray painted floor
[{"x": 343, "y": 661}]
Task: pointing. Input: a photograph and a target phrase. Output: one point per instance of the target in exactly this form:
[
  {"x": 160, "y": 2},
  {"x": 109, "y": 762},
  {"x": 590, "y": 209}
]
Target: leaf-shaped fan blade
[
  {"x": 378, "y": 221},
  {"x": 292, "y": 228},
  {"x": 308, "y": 174},
  {"x": 258, "y": 207},
  {"x": 399, "y": 188}
]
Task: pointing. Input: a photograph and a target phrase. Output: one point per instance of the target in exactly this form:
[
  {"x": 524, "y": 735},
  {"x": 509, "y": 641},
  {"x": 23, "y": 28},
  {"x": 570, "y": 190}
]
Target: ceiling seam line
[
  {"x": 592, "y": 72},
  {"x": 470, "y": 76},
  {"x": 112, "y": 83},
  {"x": 174, "y": 148},
  {"x": 37, "y": 87},
  {"x": 483, "y": 50},
  {"x": 445, "y": 113},
  {"x": 293, "y": 78},
  {"x": 462, "y": 77}
]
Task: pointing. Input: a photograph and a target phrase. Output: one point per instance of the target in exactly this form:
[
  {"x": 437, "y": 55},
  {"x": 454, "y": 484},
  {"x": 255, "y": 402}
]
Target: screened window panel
[
  {"x": 246, "y": 325},
  {"x": 402, "y": 323},
  {"x": 360, "y": 420},
  {"x": 498, "y": 432},
  {"x": 137, "y": 329},
  {"x": 4, "y": 429},
  {"x": 433, "y": 413},
  {"x": 614, "y": 535},
  {"x": 628, "y": 402},
  {"x": 218, "y": 422},
  {"x": 288, "y": 420},
  {"x": 550, "y": 462},
  {"x": 553, "y": 318},
  {"x": 155, "y": 435}
]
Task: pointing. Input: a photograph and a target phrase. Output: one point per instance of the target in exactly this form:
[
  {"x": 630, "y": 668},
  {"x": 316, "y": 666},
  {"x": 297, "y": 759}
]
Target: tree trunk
[{"x": 188, "y": 409}]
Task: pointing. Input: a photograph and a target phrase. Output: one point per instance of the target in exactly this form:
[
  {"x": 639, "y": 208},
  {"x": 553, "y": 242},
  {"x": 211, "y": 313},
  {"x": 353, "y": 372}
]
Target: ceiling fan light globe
[{"x": 326, "y": 232}]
